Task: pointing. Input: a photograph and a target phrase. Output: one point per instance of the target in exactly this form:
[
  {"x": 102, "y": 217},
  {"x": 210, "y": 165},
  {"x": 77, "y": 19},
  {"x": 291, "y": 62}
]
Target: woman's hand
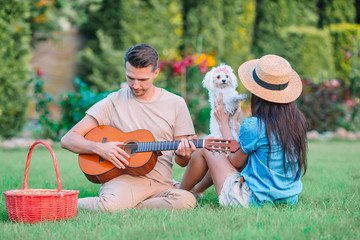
[
  {"x": 221, "y": 117},
  {"x": 236, "y": 117},
  {"x": 237, "y": 113}
]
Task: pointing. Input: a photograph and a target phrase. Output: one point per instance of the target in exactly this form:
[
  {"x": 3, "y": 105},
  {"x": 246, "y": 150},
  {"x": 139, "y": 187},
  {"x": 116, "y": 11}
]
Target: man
[{"x": 139, "y": 106}]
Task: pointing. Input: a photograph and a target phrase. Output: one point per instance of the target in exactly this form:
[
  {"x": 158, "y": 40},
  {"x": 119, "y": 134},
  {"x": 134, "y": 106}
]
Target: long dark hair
[{"x": 289, "y": 127}]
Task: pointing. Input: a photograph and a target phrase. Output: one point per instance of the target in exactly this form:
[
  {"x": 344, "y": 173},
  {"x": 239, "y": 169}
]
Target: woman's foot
[
  {"x": 196, "y": 194},
  {"x": 176, "y": 184}
]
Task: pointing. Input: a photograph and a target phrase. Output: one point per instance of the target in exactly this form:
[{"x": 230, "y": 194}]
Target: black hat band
[{"x": 276, "y": 87}]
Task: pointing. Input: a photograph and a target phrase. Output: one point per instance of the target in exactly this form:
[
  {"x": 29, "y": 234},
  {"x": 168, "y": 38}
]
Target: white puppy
[{"x": 222, "y": 79}]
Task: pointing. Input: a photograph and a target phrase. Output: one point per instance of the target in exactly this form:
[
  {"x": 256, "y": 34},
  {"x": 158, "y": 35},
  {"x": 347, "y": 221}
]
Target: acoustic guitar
[{"x": 141, "y": 147}]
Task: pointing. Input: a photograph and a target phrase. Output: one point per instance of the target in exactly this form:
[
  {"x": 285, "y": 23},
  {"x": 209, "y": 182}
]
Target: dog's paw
[{"x": 240, "y": 97}]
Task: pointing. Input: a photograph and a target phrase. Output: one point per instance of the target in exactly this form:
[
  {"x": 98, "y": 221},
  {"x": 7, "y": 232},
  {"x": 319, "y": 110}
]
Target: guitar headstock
[{"x": 221, "y": 145}]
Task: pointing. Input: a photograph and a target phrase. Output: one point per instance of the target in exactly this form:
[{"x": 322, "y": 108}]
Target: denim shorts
[{"x": 234, "y": 193}]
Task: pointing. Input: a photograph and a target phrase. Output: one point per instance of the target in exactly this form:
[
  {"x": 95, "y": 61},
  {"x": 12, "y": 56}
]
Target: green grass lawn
[{"x": 328, "y": 208}]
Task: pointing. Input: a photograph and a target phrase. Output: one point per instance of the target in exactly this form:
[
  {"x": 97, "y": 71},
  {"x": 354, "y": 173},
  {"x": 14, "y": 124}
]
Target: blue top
[{"x": 267, "y": 185}]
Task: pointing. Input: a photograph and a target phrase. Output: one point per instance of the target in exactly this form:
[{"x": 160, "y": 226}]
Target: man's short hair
[{"x": 142, "y": 55}]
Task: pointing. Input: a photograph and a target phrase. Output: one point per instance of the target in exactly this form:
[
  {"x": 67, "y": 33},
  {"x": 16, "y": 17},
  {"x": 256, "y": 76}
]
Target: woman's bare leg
[
  {"x": 195, "y": 171},
  {"x": 202, "y": 160},
  {"x": 219, "y": 167},
  {"x": 204, "y": 184}
]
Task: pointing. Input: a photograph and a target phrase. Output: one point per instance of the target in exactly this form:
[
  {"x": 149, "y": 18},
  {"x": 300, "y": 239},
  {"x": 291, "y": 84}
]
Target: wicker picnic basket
[{"x": 38, "y": 205}]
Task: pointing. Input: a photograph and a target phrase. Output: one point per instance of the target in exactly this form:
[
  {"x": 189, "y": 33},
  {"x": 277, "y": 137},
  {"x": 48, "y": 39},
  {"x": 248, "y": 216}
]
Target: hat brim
[{"x": 289, "y": 94}]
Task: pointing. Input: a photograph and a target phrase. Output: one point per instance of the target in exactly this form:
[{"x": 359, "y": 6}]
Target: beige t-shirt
[{"x": 166, "y": 117}]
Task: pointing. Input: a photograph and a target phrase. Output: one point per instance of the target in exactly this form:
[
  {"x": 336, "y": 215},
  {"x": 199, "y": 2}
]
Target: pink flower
[
  {"x": 306, "y": 81},
  {"x": 306, "y": 99},
  {"x": 350, "y": 103},
  {"x": 333, "y": 98},
  {"x": 183, "y": 69},
  {"x": 188, "y": 61},
  {"x": 334, "y": 83},
  {"x": 162, "y": 64},
  {"x": 177, "y": 68},
  {"x": 347, "y": 56},
  {"x": 203, "y": 67},
  {"x": 40, "y": 72}
]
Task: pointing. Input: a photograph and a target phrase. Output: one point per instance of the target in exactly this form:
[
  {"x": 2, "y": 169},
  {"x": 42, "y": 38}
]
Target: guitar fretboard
[{"x": 164, "y": 145}]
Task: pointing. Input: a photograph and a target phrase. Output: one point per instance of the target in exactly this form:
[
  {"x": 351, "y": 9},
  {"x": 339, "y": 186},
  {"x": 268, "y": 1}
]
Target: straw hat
[{"x": 271, "y": 78}]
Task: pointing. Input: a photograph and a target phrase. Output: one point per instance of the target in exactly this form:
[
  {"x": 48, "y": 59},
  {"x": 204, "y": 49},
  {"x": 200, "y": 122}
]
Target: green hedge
[
  {"x": 103, "y": 68},
  {"x": 223, "y": 26},
  {"x": 155, "y": 22},
  {"x": 14, "y": 67},
  {"x": 272, "y": 16},
  {"x": 114, "y": 26},
  {"x": 309, "y": 51},
  {"x": 342, "y": 37},
  {"x": 203, "y": 27},
  {"x": 336, "y": 11},
  {"x": 239, "y": 19},
  {"x": 74, "y": 104}
]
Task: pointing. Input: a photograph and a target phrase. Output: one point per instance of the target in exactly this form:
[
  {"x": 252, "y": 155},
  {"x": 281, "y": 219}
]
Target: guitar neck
[{"x": 164, "y": 145}]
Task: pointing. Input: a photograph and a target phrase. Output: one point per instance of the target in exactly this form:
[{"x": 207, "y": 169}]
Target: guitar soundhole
[
  {"x": 131, "y": 148},
  {"x": 103, "y": 141}
]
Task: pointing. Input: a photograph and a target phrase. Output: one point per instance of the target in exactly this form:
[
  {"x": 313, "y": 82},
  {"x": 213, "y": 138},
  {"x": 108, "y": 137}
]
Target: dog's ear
[
  {"x": 208, "y": 80},
  {"x": 234, "y": 80}
]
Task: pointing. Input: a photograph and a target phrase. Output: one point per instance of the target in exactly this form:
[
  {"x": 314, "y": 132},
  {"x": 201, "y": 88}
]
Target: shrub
[
  {"x": 103, "y": 15},
  {"x": 155, "y": 22},
  {"x": 44, "y": 19},
  {"x": 272, "y": 16},
  {"x": 343, "y": 42},
  {"x": 197, "y": 101},
  {"x": 49, "y": 127},
  {"x": 114, "y": 26},
  {"x": 183, "y": 76},
  {"x": 14, "y": 68},
  {"x": 309, "y": 51},
  {"x": 103, "y": 69},
  {"x": 321, "y": 105},
  {"x": 336, "y": 11},
  {"x": 239, "y": 19},
  {"x": 74, "y": 104},
  {"x": 351, "y": 119},
  {"x": 124, "y": 22},
  {"x": 203, "y": 27},
  {"x": 222, "y": 26}
]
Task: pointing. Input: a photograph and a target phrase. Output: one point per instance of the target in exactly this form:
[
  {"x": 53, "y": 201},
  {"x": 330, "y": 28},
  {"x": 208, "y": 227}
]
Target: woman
[{"x": 272, "y": 155}]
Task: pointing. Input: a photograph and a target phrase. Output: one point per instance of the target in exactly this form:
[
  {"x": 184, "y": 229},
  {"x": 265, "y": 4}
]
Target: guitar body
[
  {"x": 142, "y": 148},
  {"x": 98, "y": 170}
]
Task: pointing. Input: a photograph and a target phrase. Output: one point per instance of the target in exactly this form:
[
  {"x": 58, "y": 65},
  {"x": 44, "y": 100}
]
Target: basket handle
[{"x": 55, "y": 164}]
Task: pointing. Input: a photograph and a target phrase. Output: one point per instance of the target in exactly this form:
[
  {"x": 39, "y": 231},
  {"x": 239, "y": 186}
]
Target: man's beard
[{"x": 139, "y": 93}]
